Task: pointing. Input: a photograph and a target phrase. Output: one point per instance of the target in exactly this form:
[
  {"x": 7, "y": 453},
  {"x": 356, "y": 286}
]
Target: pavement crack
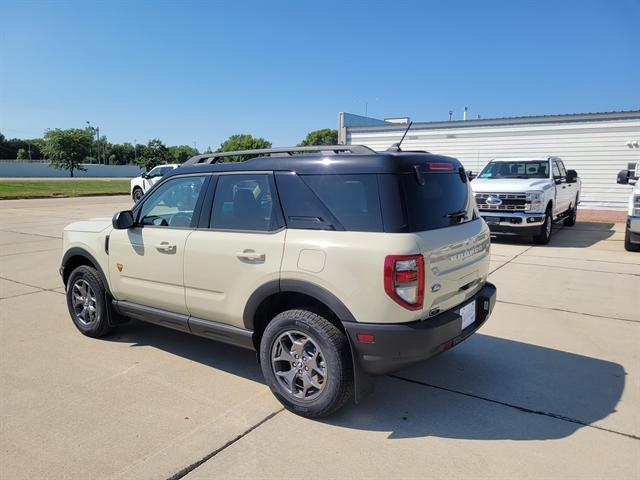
[
  {"x": 517, "y": 407},
  {"x": 185, "y": 471},
  {"x": 512, "y": 259}
]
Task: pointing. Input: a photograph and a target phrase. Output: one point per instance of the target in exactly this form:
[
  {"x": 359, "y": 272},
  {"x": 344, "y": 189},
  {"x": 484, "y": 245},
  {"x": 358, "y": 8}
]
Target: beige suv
[{"x": 334, "y": 263}]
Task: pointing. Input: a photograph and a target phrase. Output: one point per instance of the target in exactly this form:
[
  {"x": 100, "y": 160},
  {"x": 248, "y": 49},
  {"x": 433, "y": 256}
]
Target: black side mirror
[
  {"x": 623, "y": 177},
  {"x": 145, "y": 175},
  {"x": 123, "y": 220},
  {"x": 572, "y": 176},
  {"x": 471, "y": 175}
]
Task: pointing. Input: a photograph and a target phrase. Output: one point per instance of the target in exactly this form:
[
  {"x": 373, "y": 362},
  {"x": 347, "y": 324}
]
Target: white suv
[
  {"x": 144, "y": 182},
  {"x": 334, "y": 263}
]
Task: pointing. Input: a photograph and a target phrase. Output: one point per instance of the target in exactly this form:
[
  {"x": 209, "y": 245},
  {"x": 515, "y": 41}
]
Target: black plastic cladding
[{"x": 315, "y": 164}]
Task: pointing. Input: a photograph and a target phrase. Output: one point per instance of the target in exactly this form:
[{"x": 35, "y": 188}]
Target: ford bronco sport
[{"x": 334, "y": 263}]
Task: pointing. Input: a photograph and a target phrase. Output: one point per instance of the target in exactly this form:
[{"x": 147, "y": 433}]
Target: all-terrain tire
[
  {"x": 570, "y": 221},
  {"x": 86, "y": 301},
  {"x": 544, "y": 236},
  {"x": 628, "y": 245},
  {"x": 314, "y": 334}
]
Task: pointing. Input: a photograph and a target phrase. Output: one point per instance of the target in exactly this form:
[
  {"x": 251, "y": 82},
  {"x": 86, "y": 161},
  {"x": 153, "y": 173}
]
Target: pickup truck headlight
[
  {"x": 534, "y": 202},
  {"x": 636, "y": 206}
]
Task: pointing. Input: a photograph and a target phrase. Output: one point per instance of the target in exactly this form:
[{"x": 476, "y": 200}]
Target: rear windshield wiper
[{"x": 458, "y": 214}]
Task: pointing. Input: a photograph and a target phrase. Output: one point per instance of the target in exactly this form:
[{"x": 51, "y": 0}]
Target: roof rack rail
[{"x": 283, "y": 151}]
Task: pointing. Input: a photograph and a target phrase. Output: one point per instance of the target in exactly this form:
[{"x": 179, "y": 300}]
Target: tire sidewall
[
  {"x": 91, "y": 277},
  {"x": 137, "y": 194},
  {"x": 310, "y": 408}
]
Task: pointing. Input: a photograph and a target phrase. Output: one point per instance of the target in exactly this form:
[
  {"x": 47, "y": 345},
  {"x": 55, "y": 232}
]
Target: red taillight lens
[
  {"x": 404, "y": 280},
  {"x": 440, "y": 166},
  {"x": 365, "y": 338}
]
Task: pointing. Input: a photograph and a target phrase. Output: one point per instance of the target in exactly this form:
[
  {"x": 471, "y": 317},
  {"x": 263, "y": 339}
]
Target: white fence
[{"x": 42, "y": 169}]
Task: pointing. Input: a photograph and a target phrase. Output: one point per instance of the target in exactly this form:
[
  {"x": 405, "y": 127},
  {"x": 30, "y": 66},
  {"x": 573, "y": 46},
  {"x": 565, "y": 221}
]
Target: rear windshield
[{"x": 442, "y": 201}]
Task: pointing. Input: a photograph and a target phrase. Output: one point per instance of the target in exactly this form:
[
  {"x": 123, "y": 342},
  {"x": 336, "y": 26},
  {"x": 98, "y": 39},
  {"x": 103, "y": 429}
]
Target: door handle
[
  {"x": 165, "y": 247},
  {"x": 251, "y": 255}
]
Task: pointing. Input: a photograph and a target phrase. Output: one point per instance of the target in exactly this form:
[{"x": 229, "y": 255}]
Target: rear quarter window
[{"x": 352, "y": 199}]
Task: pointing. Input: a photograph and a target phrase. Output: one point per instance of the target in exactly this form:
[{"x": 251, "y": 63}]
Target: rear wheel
[
  {"x": 570, "y": 221},
  {"x": 628, "y": 245},
  {"x": 306, "y": 363},
  {"x": 86, "y": 302},
  {"x": 544, "y": 236},
  {"x": 137, "y": 194}
]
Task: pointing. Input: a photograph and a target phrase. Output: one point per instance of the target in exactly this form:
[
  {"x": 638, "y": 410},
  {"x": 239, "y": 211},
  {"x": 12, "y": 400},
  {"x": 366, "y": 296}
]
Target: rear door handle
[
  {"x": 165, "y": 247},
  {"x": 251, "y": 255}
]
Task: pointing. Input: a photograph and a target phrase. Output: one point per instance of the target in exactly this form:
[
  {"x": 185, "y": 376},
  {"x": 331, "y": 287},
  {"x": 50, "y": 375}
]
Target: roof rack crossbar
[{"x": 324, "y": 149}]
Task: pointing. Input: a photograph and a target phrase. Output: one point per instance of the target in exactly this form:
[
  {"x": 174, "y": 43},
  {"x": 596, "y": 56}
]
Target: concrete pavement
[{"x": 550, "y": 386}]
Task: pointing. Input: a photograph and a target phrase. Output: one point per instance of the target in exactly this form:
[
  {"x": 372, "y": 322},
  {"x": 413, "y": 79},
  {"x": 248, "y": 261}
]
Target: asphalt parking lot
[{"x": 548, "y": 388}]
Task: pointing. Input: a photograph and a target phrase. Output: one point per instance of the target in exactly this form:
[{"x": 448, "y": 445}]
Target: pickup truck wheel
[
  {"x": 570, "y": 221},
  {"x": 137, "y": 194},
  {"x": 306, "y": 363},
  {"x": 628, "y": 245},
  {"x": 545, "y": 230},
  {"x": 86, "y": 302}
]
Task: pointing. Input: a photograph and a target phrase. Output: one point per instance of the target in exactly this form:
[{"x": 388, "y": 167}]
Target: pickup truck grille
[{"x": 510, "y": 202}]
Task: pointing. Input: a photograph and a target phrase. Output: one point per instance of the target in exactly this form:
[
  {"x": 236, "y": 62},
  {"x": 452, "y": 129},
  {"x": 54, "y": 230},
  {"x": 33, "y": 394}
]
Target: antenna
[{"x": 396, "y": 146}]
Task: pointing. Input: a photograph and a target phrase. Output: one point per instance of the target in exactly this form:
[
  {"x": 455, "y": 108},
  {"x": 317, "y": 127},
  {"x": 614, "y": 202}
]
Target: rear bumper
[{"x": 399, "y": 345}]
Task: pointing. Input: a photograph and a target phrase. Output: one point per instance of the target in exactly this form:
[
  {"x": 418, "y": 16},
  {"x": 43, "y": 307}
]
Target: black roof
[{"x": 322, "y": 163}]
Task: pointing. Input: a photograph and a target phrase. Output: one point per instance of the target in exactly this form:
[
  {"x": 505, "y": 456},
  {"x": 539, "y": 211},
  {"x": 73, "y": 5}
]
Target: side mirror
[
  {"x": 623, "y": 177},
  {"x": 471, "y": 175},
  {"x": 145, "y": 175},
  {"x": 572, "y": 176},
  {"x": 123, "y": 220}
]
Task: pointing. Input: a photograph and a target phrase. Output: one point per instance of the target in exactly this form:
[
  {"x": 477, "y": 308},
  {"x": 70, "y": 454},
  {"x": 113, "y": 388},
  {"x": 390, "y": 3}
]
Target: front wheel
[
  {"x": 629, "y": 246},
  {"x": 545, "y": 230},
  {"x": 306, "y": 363},
  {"x": 137, "y": 194},
  {"x": 86, "y": 302}
]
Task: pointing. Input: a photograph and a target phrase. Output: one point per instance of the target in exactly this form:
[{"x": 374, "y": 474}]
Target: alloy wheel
[
  {"x": 83, "y": 300},
  {"x": 298, "y": 364}
]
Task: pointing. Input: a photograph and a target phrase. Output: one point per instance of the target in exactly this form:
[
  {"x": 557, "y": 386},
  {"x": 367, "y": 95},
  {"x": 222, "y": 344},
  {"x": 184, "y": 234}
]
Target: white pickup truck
[
  {"x": 632, "y": 232},
  {"x": 525, "y": 196}
]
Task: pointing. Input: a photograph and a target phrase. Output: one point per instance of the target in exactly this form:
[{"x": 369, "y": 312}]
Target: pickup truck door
[
  {"x": 146, "y": 261},
  {"x": 562, "y": 195},
  {"x": 571, "y": 189}
]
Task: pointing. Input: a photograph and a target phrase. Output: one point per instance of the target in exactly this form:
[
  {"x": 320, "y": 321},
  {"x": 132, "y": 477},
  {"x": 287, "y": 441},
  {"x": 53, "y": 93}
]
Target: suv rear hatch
[{"x": 454, "y": 241}]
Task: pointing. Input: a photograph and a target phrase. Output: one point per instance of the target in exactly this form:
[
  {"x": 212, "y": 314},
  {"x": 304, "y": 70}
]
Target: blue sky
[{"x": 200, "y": 71}]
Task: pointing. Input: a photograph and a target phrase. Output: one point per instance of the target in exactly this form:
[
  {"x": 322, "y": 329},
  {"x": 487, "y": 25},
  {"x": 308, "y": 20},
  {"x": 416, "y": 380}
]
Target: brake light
[
  {"x": 404, "y": 280},
  {"x": 440, "y": 166}
]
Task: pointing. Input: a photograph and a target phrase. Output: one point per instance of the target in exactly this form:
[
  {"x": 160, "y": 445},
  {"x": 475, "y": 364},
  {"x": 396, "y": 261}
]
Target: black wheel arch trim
[
  {"x": 295, "y": 286},
  {"x": 81, "y": 252}
]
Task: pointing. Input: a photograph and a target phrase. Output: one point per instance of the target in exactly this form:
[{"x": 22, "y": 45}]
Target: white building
[{"x": 597, "y": 145}]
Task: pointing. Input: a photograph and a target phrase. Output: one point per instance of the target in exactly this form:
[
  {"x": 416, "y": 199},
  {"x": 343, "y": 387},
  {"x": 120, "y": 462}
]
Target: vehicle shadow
[
  {"x": 581, "y": 235},
  {"x": 475, "y": 391}
]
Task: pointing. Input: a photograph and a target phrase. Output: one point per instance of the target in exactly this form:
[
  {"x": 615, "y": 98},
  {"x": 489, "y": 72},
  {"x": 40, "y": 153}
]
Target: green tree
[
  {"x": 122, "y": 154},
  {"x": 154, "y": 153},
  {"x": 242, "y": 141},
  {"x": 67, "y": 149},
  {"x": 22, "y": 154},
  {"x": 325, "y": 136},
  {"x": 182, "y": 153}
]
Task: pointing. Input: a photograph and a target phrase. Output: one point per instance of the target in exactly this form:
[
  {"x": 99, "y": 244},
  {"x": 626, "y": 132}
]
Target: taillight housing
[{"x": 404, "y": 280}]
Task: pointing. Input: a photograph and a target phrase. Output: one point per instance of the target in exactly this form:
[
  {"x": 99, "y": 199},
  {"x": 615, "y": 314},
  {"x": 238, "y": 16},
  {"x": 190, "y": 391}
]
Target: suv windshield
[{"x": 516, "y": 169}]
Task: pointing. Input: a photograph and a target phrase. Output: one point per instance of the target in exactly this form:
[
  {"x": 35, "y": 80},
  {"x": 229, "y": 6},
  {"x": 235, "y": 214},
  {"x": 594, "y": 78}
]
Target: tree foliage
[
  {"x": 242, "y": 141},
  {"x": 325, "y": 136},
  {"x": 154, "y": 153},
  {"x": 9, "y": 147},
  {"x": 182, "y": 153},
  {"x": 67, "y": 149}
]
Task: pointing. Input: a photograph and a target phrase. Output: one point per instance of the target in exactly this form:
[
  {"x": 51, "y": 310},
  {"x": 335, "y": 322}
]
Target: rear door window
[
  {"x": 245, "y": 202},
  {"x": 352, "y": 199}
]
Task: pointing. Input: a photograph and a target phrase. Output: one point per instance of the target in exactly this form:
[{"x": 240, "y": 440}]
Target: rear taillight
[{"x": 404, "y": 280}]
